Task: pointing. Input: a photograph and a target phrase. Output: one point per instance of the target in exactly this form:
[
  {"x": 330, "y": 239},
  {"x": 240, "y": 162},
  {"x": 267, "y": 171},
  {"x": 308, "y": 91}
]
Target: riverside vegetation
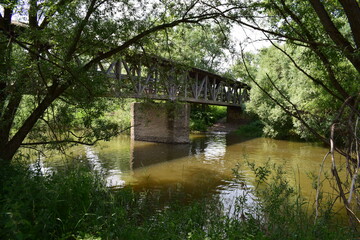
[{"x": 74, "y": 203}]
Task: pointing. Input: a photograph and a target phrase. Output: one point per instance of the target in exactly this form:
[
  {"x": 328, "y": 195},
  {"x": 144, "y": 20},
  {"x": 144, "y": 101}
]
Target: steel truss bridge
[{"x": 142, "y": 76}]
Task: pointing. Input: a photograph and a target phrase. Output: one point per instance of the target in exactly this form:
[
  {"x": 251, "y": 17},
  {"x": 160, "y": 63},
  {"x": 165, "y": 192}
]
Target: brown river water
[{"x": 202, "y": 168}]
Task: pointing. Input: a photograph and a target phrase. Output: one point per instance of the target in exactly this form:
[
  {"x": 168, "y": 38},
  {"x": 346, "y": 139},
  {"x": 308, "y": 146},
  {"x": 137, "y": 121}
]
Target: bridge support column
[
  {"x": 160, "y": 122},
  {"x": 234, "y": 114}
]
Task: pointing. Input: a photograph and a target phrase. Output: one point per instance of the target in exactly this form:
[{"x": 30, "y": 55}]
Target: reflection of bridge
[{"x": 155, "y": 78}]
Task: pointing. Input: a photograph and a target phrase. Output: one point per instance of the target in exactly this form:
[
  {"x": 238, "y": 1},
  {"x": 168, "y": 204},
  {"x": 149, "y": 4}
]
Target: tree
[
  {"x": 200, "y": 46},
  {"x": 274, "y": 72},
  {"x": 48, "y": 62},
  {"x": 328, "y": 35}
]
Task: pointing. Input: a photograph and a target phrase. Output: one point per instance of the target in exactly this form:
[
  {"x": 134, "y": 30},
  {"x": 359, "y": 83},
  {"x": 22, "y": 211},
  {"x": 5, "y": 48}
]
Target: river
[{"x": 202, "y": 168}]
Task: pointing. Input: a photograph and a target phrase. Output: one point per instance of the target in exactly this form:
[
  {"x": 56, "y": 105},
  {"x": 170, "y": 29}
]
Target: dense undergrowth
[
  {"x": 203, "y": 116},
  {"x": 252, "y": 129},
  {"x": 74, "y": 203}
]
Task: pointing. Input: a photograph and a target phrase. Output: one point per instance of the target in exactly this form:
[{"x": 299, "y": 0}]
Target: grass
[{"x": 74, "y": 203}]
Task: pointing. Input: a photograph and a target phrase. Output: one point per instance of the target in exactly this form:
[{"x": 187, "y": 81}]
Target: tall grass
[{"x": 74, "y": 203}]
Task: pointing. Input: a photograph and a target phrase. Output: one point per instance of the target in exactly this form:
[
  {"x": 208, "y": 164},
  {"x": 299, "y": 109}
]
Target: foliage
[
  {"x": 281, "y": 211},
  {"x": 203, "y": 116},
  {"x": 297, "y": 88},
  {"x": 49, "y": 62},
  {"x": 252, "y": 129},
  {"x": 196, "y": 46},
  {"x": 121, "y": 114},
  {"x": 74, "y": 203}
]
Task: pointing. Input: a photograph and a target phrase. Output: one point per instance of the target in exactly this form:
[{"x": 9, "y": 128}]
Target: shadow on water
[
  {"x": 211, "y": 144},
  {"x": 185, "y": 171}
]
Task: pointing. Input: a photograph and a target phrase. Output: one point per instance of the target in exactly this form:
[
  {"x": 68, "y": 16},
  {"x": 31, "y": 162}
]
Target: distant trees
[{"x": 275, "y": 73}]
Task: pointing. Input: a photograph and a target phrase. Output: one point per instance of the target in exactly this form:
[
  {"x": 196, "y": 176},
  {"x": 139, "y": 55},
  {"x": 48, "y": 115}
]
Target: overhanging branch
[{"x": 68, "y": 141}]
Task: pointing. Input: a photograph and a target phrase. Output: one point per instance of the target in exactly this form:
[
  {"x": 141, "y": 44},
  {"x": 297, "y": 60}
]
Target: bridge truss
[{"x": 156, "y": 78}]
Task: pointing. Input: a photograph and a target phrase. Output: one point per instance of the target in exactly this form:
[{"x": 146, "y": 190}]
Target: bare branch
[
  {"x": 190, "y": 8},
  {"x": 317, "y": 203}
]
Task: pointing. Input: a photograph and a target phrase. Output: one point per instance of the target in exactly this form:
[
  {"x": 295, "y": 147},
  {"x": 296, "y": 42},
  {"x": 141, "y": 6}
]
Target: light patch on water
[
  {"x": 113, "y": 177},
  {"x": 215, "y": 148},
  {"x": 93, "y": 159},
  {"x": 40, "y": 167},
  {"x": 238, "y": 199}
]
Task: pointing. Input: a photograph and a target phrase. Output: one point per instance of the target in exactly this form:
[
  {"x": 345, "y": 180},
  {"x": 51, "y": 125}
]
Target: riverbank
[
  {"x": 243, "y": 127},
  {"x": 223, "y": 126}
]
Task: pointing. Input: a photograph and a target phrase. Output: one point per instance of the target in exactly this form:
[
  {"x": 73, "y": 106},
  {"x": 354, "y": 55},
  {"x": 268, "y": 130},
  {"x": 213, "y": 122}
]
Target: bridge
[
  {"x": 149, "y": 77},
  {"x": 161, "y": 79}
]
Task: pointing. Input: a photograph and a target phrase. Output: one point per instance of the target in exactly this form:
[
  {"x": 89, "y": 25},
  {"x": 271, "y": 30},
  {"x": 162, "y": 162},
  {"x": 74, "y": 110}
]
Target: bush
[
  {"x": 281, "y": 212},
  {"x": 253, "y": 129}
]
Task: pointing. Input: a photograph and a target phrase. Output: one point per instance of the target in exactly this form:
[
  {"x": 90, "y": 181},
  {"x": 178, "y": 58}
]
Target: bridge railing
[{"x": 156, "y": 78}]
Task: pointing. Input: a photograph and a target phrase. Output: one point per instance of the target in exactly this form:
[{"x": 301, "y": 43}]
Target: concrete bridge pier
[
  {"x": 234, "y": 114},
  {"x": 160, "y": 122}
]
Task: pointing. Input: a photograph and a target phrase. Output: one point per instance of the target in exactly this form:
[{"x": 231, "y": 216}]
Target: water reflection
[
  {"x": 202, "y": 168},
  {"x": 39, "y": 166},
  {"x": 145, "y": 153},
  {"x": 113, "y": 176},
  {"x": 215, "y": 148}
]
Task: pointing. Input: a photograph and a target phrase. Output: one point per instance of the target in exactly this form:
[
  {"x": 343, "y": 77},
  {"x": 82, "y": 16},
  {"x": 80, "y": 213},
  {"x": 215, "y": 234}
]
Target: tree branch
[
  {"x": 79, "y": 30},
  {"x": 33, "y": 22},
  {"x": 315, "y": 80},
  {"x": 329, "y": 26},
  {"x": 282, "y": 106},
  {"x": 352, "y": 11},
  {"x": 335, "y": 34},
  {"x": 317, "y": 51},
  {"x": 54, "y": 92},
  {"x": 52, "y": 12}
]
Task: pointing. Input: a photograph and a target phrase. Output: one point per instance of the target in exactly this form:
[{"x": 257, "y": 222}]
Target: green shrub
[{"x": 253, "y": 129}]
